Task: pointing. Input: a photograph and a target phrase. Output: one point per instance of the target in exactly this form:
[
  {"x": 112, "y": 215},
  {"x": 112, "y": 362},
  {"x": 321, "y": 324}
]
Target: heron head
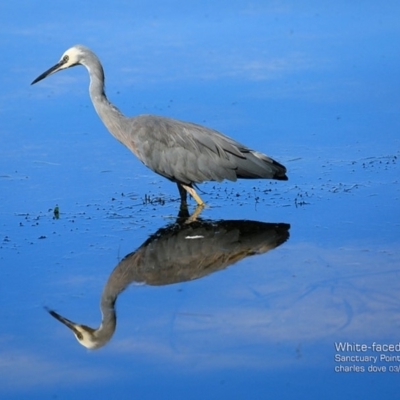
[
  {"x": 73, "y": 56},
  {"x": 85, "y": 335}
]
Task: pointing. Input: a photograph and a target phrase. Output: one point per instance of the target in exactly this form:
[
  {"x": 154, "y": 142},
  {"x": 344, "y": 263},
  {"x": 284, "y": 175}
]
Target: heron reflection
[{"x": 177, "y": 253}]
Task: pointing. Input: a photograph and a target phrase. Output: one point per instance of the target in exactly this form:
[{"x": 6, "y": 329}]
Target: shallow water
[{"x": 225, "y": 310}]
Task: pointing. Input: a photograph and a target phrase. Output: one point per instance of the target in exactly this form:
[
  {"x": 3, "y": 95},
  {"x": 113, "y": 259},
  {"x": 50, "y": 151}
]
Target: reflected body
[
  {"x": 178, "y": 253},
  {"x": 185, "y": 153}
]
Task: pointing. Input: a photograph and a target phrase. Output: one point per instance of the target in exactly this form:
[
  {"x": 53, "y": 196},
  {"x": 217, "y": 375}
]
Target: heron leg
[
  {"x": 183, "y": 194},
  {"x": 192, "y": 192},
  {"x": 195, "y": 214},
  {"x": 183, "y": 215}
]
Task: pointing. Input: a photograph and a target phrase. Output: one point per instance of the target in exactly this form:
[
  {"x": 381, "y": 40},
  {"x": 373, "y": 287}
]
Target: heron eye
[{"x": 65, "y": 58}]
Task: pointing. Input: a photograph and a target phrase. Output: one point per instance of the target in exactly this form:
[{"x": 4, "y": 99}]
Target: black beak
[
  {"x": 65, "y": 321},
  {"x": 50, "y": 71}
]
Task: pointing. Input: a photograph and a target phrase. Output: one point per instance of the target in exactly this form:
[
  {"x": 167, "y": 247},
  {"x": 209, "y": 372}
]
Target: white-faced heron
[
  {"x": 178, "y": 253},
  {"x": 182, "y": 152}
]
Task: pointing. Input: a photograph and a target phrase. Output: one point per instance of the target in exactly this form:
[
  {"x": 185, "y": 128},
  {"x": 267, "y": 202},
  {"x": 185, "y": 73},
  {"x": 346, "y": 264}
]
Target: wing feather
[{"x": 190, "y": 153}]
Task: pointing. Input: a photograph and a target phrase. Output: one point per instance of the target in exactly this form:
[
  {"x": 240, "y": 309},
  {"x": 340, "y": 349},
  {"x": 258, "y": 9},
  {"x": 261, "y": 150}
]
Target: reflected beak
[
  {"x": 50, "y": 71},
  {"x": 71, "y": 325}
]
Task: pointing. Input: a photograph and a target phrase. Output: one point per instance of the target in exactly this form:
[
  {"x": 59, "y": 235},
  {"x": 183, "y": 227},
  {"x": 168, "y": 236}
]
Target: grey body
[
  {"x": 178, "y": 253},
  {"x": 182, "y": 152}
]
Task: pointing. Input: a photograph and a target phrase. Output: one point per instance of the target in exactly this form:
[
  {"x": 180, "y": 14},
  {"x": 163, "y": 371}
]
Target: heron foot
[{"x": 191, "y": 191}]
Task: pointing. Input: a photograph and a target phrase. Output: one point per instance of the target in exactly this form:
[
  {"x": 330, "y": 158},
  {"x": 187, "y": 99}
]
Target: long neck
[
  {"x": 124, "y": 274},
  {"x": 109, "y": 319},
  {"x": 112, "y": 118}
]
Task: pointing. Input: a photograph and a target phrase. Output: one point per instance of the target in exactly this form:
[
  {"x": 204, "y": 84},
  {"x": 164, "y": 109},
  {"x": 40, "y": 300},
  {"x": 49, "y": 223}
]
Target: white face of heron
[
  {"x": 85, "y": 336},
  {"x": 71, "y": 57}
]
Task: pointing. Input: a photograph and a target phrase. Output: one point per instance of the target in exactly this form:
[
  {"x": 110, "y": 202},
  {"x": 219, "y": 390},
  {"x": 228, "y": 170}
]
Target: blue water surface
[{"x": 315, "y": 86}]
